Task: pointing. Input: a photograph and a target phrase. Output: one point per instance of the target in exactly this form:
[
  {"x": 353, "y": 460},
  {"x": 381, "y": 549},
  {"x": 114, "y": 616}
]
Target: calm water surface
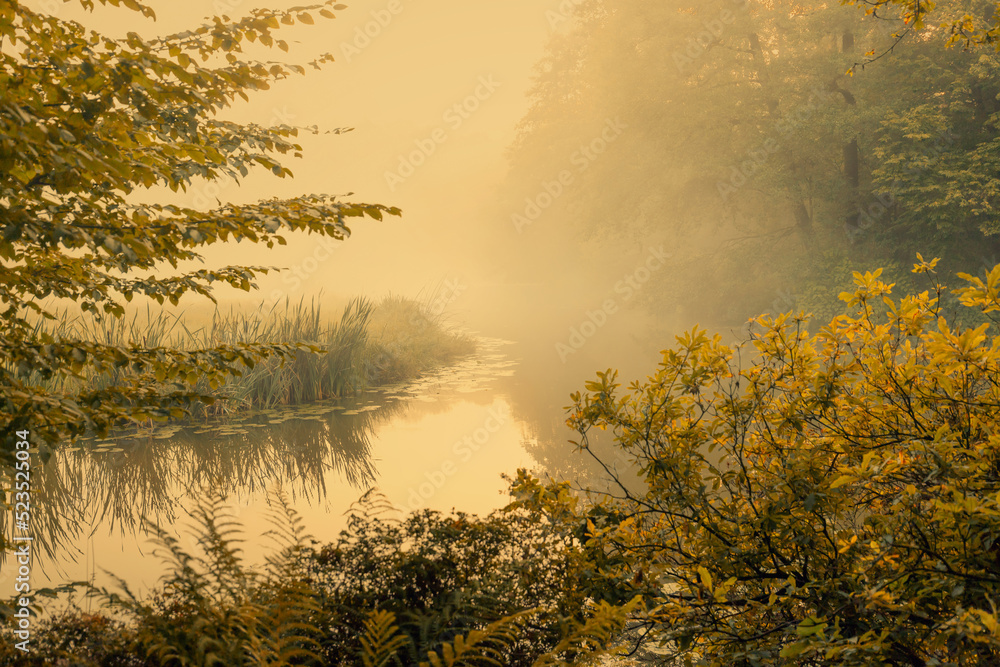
[{"x": 439, "y": 442}]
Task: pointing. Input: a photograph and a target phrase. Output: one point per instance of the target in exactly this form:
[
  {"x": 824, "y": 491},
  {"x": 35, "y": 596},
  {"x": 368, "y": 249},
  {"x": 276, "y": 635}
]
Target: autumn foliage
[
  {"x": 88, "y": 120},
  {"x": 818, "y": 499}
]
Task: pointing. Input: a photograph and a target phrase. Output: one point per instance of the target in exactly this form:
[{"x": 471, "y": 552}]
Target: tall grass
[
  {"x": 339, "y": 372},
  {"x": 407, "y": 339},
  {"x": 369, "y": 345}
]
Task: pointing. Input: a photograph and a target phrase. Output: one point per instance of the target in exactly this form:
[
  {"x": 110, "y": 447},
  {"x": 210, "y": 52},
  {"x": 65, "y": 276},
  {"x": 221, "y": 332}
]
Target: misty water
[
  {"x": 439, "y": 441},
  {"x": 442, "y": 441}
]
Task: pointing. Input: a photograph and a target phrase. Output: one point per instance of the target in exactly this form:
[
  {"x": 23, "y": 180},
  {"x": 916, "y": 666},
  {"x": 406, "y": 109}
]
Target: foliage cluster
[
  {"x": 964, "y": 22},
  {"x": 833, "y": 500},
  {"x": 428, "y": 589},
  {"x": 444, "y": 576}
]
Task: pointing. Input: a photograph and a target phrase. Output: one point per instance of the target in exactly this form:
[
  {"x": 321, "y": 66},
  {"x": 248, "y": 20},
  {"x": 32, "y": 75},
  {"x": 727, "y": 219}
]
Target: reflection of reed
[
  {"x": 81, "y": 491},
  {"x": 53, "y": 498}
]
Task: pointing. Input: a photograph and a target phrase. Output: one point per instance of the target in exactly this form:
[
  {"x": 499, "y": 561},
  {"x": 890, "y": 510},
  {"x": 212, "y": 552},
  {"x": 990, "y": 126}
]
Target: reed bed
[
  {"x": 406, "y": 339},
  {"x": 369, "y": 345}
]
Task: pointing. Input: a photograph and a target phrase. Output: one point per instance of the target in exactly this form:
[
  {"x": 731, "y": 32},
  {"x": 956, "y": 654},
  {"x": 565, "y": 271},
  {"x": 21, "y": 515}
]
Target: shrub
[
  {"x": 834, "y": 501},
  {"x": 428, "y": 590}
]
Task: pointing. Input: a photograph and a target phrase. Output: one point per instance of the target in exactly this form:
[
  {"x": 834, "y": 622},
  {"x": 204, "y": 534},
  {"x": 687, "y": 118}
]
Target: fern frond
[
  {"x": 287, "y": 527},
  {"x": 373, "y": 503},
  {"x": 289, "y": 536},
  {"x": 481, "y": 647},
  {"x": 229, "y": 615},
  {"x": 585, "y": 643},
  {"x": 382, "y": 639}
]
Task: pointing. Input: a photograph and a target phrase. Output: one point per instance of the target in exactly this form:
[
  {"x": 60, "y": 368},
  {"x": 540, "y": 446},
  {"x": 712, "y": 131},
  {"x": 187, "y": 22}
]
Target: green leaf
[
  {"x": 793, "y": 650},
  {"x": 842, "y": 480}
]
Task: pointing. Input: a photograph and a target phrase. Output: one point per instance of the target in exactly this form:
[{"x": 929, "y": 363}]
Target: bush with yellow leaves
[{"x": 815, "y": 499}]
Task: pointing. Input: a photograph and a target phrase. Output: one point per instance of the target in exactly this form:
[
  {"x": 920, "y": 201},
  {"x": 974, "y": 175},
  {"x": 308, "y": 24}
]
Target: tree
[
  {"x": 834, "y": 502},
  {"x": 967, "y": 22},
  {"x": 86, "y": 121},
  {"x": 753, "y": 156}
]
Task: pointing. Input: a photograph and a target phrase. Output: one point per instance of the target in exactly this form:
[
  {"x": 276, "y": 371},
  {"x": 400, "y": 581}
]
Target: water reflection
[
  {"x": 112, "y": 483},
  {"x": 554, "y": 363},
  {"x": 90, "y": 498}
]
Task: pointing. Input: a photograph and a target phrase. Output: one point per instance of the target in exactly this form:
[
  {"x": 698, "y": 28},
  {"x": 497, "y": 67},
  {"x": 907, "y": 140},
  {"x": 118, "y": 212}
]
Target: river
[
  {"x": 441, "y": 441},
  {"x": 438, "y": 442}
]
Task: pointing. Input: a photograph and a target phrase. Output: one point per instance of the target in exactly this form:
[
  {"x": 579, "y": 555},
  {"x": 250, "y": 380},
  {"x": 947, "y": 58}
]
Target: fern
[
  {"x": 212, "y": 610},
  {"x": 586, "y": 642},
  {"x": 481, "y": 647},
  {"x": 373, "y": 504},
  {"x": 382, "y": 639},
  {"x": 430, "y": 629}
]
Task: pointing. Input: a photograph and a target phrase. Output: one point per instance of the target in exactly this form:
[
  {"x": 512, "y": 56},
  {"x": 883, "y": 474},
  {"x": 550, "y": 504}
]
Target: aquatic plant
[
  {"x": 393, "y": 340},
  {"x": 408, "y": 338}
]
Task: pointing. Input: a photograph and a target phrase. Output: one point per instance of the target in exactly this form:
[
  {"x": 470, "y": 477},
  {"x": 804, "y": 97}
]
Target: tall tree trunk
[
  {"x": 803, "y": 218},
  {"x": 852, "y": 174},
  {"x": 847, "y": 42},
  {"x": 852, "y": 155}
]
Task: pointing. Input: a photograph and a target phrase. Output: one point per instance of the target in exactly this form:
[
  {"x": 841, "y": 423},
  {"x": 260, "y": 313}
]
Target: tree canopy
[
  {"x": 752, "y": 154},
  {"x": 964, "y": 22},
  {"x": 87, "y": 120}
]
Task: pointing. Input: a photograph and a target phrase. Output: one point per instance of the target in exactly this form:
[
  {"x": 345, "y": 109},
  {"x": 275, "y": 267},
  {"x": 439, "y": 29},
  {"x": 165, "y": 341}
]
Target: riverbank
[{"x": 369, "y": 345}]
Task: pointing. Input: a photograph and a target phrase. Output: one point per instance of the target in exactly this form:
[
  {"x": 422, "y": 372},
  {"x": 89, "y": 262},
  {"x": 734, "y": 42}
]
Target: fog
[
  {"x": 435, "y": 92},
  {"x": 579, "y": 182},
  {"x": 439, "y": 87}
]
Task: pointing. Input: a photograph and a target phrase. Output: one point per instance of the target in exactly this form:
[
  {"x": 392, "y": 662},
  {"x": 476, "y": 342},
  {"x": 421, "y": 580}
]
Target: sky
[{"x": 434, "y": 90}]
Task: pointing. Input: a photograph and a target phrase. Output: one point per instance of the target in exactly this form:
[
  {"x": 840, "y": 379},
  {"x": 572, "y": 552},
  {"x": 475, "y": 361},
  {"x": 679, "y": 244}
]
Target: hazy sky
[{"x": 401, "y": 68}]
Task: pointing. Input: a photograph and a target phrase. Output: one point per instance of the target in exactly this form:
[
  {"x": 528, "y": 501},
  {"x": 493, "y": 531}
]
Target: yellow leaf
[
  {"x": 706, "y": 578},
  {"x": 850, "y": 543},
  {"x": 842, "y": 480},
  {"x": 793, "y": 650}
]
